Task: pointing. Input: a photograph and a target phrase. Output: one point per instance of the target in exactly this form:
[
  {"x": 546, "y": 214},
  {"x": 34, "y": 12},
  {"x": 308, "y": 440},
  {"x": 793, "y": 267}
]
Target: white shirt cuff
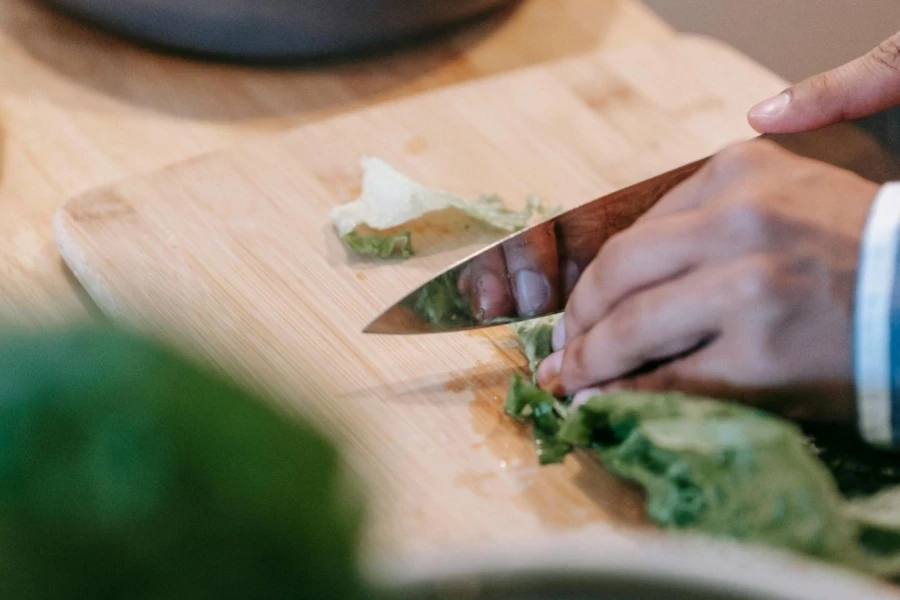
[{"x": 872, "y": 356}]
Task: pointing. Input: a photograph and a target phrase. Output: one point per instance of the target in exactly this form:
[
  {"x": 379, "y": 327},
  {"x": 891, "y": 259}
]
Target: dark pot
[{"x": 274, "y": 29}]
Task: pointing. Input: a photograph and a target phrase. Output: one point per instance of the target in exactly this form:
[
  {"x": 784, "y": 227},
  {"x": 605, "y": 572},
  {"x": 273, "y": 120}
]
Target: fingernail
[
  {"x": 490, "y": 290},
  {"x": 771, "y": 108},
  {"x": 571, "y": 272},
  {"x": 532, "y": 291},
  {"x": 548, "y": 371},
  {"x": 558, "y": 339}
]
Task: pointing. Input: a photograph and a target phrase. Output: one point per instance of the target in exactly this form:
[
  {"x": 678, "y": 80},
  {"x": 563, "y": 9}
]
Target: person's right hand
[
  {"x": 531, "y": 278},
  {"x": 860, "y": 88},
  {"x": 738, "y": 284}
]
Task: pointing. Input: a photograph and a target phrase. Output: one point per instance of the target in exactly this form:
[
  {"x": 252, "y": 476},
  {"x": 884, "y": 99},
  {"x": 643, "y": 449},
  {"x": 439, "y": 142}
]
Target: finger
[
  {"x": 722, "y": 171},
  {"x": 669, "y": 377},
  {"x": 580, "y": 241},
  {"x": 684, "y": 375},
  {"x": 533, "y": 264},
  {"x": 571, "y": 272},
  {"x": 684, "y": 196},
  {"x": 681, "y": 375},
  {"x": 491, "y": 296},
  {"x": 642, "y": 256},
  {"x": 862, "y": 87},
  {"x": 654, "y": 324},
  {"x": 711, "y": 372}
]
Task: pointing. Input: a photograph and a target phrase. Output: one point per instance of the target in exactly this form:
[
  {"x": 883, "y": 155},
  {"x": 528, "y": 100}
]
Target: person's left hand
[{"x": 740, "y": 281}]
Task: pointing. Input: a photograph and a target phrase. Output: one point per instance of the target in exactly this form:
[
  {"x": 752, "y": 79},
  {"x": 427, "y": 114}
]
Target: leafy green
[
  {"x": 527, "y": 402},
  {"x": 390, "y": 199},
  {"x": 878, "y": 518},
  {"x": 379, "y": 246},
  {"x": 720, "y": 468},
  {"x": 441, "y": 303},
  {"x": 536, "y": 339},
  {"x": 129, "y": 472}
]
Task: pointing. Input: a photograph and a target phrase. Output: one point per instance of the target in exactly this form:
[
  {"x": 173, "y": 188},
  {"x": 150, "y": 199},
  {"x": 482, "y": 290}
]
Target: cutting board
[{"x": 232, "y": 255}]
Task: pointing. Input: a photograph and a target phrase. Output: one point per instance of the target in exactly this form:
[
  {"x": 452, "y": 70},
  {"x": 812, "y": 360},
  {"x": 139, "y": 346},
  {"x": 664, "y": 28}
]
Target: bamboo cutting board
[{"x": 232, "y": 254}]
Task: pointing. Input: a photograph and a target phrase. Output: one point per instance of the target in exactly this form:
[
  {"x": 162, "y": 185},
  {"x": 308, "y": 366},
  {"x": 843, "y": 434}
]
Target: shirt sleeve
[{"x": 876, "y": 327}]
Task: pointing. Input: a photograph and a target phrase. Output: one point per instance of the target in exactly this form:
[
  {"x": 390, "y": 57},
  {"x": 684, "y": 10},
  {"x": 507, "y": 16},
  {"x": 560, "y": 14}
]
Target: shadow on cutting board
[{"x": 483, "y": 387}]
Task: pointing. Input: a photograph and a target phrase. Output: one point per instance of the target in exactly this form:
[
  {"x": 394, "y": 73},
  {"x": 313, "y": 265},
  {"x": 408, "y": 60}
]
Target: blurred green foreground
[{"x": 128, "y": 472}]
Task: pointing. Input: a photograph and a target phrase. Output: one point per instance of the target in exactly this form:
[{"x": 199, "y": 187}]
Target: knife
[{"x": 439, "y": 306}]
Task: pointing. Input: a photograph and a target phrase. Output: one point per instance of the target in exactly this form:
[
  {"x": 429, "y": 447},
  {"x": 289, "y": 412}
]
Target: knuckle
[
  {"x": 773, "y": 289},
  {"x": 573, "y": 326},
  {"x": 822, "y": 84},
  {"x": 624, "y": 327},
  {"x": 575, "y": 367},
  {"x": 610, "y": 257},
  {"x": 759, "y": 362},
  {"x": 747, "y": 218},
  {"x": 804, "y": 266},
  {"x": 887, "y": 53},
  {"x": 756, "y": 280},
  {"x": 578, "y": 309},
  {"x": 611, "y": 265},
  {"x": 724, "y": 160},
  {"x": 745, "y": 155}
]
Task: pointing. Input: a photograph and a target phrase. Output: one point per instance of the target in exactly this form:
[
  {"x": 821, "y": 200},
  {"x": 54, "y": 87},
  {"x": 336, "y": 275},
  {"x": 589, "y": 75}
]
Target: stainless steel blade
[{"x": 439, "y": 306}]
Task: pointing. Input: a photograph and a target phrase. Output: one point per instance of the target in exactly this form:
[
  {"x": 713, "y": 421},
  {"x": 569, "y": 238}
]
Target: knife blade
[{"x": 440, "y": 306}]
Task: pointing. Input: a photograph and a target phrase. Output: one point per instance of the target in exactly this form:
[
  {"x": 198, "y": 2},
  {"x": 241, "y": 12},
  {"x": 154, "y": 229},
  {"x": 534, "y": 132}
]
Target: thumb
[{"x": 860, "y": 88}]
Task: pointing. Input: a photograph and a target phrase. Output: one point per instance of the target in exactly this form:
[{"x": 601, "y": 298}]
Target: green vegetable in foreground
[
  {"x": 128, "y": 472},
  {"x": 714, "y": 467}
]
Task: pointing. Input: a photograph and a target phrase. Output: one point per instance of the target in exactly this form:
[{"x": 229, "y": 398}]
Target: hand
[
  {"x": 860, "y": 88},
  {"x": 532, "y": 279},
  {"x": 740, "y": 280}
]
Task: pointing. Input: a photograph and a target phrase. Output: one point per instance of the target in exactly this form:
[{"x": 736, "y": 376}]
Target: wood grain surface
[
  {"x": 79, "y": 108},
  {"x": 232, "y": 254}
]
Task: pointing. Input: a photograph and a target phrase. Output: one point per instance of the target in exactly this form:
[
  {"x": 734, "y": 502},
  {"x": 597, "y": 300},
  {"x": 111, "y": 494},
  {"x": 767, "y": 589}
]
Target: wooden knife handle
[{"x": 582, "y": 232}]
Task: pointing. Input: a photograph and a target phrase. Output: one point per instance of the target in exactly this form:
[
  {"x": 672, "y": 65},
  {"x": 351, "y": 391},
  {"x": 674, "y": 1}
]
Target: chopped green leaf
[
  {"x": 535, "y": 337},
  {"x": 721, "y": 468},
  {"x": 718, "y": 468},
  {"x": 441, "y": 303},
  {"x": 525, "y": 401},
  {"x": 379, "y": 246},
  {"x": 390, "y": 199}
]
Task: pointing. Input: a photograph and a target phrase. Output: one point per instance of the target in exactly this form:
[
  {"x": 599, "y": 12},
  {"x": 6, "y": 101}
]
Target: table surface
[{"x": 80, "y": 108}]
